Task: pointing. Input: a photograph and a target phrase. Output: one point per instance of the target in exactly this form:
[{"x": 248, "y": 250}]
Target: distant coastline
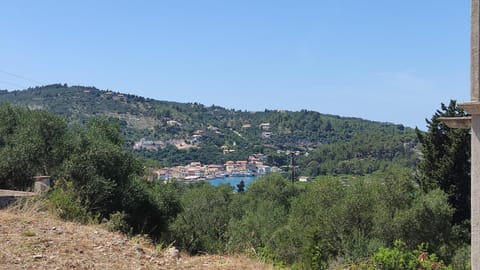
[{"x": 196, "y": 171}]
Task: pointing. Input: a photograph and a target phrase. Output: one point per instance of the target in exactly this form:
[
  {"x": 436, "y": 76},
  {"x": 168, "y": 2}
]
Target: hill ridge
[{"x": 188, "y": 132}]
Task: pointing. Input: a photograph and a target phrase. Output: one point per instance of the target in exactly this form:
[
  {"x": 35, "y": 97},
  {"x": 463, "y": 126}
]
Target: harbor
[{"x": 233, "y": 180}]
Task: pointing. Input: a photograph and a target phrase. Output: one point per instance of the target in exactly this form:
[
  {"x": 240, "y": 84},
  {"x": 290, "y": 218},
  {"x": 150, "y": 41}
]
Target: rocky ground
[{"x": 30, "y": 239}]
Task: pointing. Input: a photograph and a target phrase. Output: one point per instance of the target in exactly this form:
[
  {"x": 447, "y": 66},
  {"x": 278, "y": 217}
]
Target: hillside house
[
  {"x": 266, "y": 135},
  {"x": 264, "y": 169},
  {"x": 229, "y": 166},
  {"x": 161, "y": 174},
  {"x": 173, "y": 123},
  {"x": 264, "y": 126},
  {"x": 195, "y": 164},
  {"x": 304, "y": 179},
  {"x": 241, "y": 165}
]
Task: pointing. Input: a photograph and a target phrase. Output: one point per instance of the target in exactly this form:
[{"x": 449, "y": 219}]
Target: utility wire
[
  {"x": 13, "y": 84},
  {"x": 20, "y": 77}
]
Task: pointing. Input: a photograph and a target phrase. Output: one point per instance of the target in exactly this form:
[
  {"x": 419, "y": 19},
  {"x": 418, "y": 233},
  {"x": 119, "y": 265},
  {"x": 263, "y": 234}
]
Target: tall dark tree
[
  {"x": 241, "y": 187},
  {"x": 446, "y": 160}
]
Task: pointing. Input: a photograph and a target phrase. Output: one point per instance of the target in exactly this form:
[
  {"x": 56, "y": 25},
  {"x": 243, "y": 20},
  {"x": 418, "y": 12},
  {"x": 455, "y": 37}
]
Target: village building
[
  {"x": 264, "y": 126},
  {"x": 241, "y": 165},
  {"x": 230, "y": 166},
  {"x": 304, "y": 179}
]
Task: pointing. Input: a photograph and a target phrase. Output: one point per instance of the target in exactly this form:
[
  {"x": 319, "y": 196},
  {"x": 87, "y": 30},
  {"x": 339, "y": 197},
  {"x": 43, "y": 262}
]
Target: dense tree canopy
[
  {"x": 32, "y": 143},
  {"x": 339, "y": 144},
  {"x": 445, "y": 160},
  {"x": 333, "y": 220}
]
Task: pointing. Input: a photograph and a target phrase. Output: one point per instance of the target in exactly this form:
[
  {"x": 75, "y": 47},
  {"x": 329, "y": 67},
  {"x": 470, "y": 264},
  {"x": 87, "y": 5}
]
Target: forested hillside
[{"x": 177, "y": 133}]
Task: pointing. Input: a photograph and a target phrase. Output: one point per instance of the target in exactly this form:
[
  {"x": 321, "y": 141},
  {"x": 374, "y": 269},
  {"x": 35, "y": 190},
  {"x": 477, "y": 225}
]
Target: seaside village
[{"x": 196, "y": 171}]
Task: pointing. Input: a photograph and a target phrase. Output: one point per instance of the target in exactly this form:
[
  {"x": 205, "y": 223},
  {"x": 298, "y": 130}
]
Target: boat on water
[
  {"x": 243, "y": 173},
  {"x": 193, "y": 178}
]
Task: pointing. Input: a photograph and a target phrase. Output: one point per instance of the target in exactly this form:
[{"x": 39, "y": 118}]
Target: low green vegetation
[
  {"x": 28, "y": 233},
  {"x": 386, "y": 217},
  {"x": 371, "y": 222}
]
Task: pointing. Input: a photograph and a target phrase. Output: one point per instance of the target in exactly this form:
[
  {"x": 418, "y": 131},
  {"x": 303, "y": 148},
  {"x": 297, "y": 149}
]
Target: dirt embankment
[{"x": 36, "y": 240}]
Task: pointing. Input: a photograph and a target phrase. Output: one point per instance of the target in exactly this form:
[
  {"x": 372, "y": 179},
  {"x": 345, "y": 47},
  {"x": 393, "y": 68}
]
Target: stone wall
[
  {"x": 6, "y": 200},
  {"x": 9, "y": 196}
]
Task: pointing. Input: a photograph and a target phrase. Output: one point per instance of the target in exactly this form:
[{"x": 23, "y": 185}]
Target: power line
[
  {"x": 13, "y": 84},
  {"x": 20, "y": 77}
]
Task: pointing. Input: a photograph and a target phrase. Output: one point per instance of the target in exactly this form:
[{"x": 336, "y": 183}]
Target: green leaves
[
  {"x": 99, "y": 167},
  {"x": 428, "y": 220},
  {"x": 202, "y": 225},
  {"x": 241, "y": 187},
  {"x": 401, "y": 258},
  {"x": 31, "y": 142},
  {"x": 446, "y": 160},
  {"x": 332, "y": 219}
]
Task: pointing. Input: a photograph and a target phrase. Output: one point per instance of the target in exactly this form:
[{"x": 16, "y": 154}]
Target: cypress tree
[{"x": 445, "y": 162}]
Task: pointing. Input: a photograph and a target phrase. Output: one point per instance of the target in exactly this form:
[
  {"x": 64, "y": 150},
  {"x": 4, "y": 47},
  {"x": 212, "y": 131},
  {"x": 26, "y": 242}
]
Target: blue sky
[{"x": 384, "y": 60}]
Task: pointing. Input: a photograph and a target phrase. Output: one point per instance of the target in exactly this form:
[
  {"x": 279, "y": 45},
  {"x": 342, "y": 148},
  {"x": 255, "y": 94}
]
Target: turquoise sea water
[{"x": 232, "y": 180}]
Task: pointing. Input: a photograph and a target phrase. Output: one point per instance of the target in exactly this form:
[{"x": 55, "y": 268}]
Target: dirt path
[{"x": 36, "y": 240}]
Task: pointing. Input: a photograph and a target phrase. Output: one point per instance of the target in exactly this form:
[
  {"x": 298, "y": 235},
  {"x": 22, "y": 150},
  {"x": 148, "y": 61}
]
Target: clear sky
[{"x": 385, "y": 60}]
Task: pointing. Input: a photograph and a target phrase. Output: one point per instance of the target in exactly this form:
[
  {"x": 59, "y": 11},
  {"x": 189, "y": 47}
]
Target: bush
[
  {"x": 142, "y": 211},
  {"x": 426, "y": 221},
  {"x": 66, "y": 206},
  {"x": 461, "y": 259},
  {"x": 202, "y": 225},
  {"x": 400, "y": 258},
  {"x": 117, "y": 222},
  {"x": 396, "y": 258}
]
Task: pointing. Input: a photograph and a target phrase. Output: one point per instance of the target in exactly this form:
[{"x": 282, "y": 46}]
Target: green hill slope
[{"x": 176, "y": 133}]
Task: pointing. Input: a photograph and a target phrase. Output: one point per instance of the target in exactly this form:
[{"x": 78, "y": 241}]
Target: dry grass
[{"x": 31, "y": 238}]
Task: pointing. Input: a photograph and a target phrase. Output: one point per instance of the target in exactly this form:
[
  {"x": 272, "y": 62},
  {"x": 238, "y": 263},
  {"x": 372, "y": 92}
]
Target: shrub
[
  {"x": 400, "y": 258},
  {"x": 461, "y": 259},
  {"x": 28, "y": 233},
  {"x": 66, "y": 206},
  {"x": 202, "y": 225},
  {"x": 117, "y": 222},
  {"x": 395, "y": 258}
]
